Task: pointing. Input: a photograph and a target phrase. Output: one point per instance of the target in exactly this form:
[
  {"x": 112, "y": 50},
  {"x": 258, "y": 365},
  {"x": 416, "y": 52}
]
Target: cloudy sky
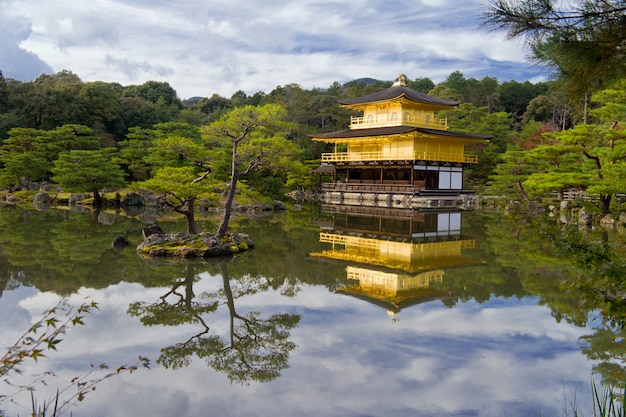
[
  {"x": 202, "y": 47},
  {"x": 502, "y": 357}
]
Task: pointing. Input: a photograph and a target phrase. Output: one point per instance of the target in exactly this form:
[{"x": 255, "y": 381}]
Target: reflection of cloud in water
[
  {"x": 503, "y": 357},
  {"x": 15, "y": 318}
]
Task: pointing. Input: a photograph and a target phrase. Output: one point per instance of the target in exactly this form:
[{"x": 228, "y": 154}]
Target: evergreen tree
[
  {"x": 249, "y": 138},
  {"x": 87, "y": 171},
  {"x": 584, "y": 41}
]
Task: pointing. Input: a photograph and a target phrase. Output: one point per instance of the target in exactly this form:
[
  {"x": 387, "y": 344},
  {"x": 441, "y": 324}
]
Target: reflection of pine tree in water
[
  {"x": 10, "y": 278},
  {"x": 591, "y": 278},
  {"x": 175, "y": 307},
  {"x": 256, "y": 349},
  {"x": 259, "y": 348}
]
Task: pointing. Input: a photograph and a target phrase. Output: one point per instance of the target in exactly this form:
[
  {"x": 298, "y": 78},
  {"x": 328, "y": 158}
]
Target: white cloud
[
  {"x": 351, "y": 358},
  {"x": 202, "y": 48}
]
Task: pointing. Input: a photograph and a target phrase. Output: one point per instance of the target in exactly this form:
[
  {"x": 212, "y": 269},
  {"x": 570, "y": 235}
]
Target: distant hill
[
  {"x": 192, "y": 101},
  {"x": 366, "y": 81}
]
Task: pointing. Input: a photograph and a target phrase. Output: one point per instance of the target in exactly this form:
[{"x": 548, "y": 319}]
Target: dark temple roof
[
  {"x": 394, "y": 130},
  {"x": 397, "y": 91}
]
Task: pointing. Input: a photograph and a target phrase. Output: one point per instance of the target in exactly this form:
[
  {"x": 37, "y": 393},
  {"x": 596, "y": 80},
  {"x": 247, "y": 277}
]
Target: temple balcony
[
  {"x": 368, "y": 244},
  {"x": 400, "y": 156},
  {"x": 384, "y": 120},
  {"x": 396, "y": 255},
  {"x": 374, "y": 188},
  {"x": 389, "y": 187}
]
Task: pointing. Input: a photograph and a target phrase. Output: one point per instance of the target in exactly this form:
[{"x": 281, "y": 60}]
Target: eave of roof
[
  {"x": 396, "y": 92},
  {"x": 453, "y": 134},
  {"x": 394, "y": 130},
  {"x": 324, "y": 169},
  {"x": 395, "y": 303},
  {"x": 355, "y": 133}
]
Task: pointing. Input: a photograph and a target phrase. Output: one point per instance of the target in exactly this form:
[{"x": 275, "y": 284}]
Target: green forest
[
  {"x": 548, "y": 137},
  {"x": 134, "y": 131},
  {"x": 549, "y": 140}
]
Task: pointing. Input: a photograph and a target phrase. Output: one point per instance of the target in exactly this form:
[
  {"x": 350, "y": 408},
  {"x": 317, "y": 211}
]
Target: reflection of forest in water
[{"x": 574, "y": 273}]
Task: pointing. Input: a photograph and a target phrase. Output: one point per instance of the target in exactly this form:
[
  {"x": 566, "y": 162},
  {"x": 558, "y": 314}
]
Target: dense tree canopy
[
  {"x": 250, "y": 138},
  {"x": 87, "y": 171},
  {"x": 583, "y": 41},
  {"x": 181, "y": 185},
  {"x": 147, "y": 128},
  {"x": 588, "y": 157},
  {"x": 28, "y": 154}
]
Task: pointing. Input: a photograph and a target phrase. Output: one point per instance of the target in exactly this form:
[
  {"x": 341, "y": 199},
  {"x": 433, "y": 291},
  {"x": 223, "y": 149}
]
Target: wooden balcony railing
[
  {"x": 384, "y": 120},
  {"x": 372, "y": 188},
  {"x": 399, "y": 156},
  {"x": 446, "y": 248}
]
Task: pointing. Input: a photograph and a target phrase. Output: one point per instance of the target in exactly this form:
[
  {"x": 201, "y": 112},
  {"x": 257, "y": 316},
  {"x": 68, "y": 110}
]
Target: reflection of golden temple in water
[{"x": 397, "y": 256}]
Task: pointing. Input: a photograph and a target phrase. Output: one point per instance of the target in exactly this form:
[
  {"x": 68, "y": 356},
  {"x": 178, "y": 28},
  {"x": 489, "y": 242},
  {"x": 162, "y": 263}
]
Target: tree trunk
[
  {"x": 190, "y": 274},
  {"x": 234, "y": 176},
  {"x": 520, "y": 187},
  {"x": 97, "y": 199},
  {"x": 228, "y": 292},
  {"x": 605, "y": 203},
  {"x": 228, "y": 207},
  {"x": 187, "y": 210},
  {"x": 191, "y": 222}
]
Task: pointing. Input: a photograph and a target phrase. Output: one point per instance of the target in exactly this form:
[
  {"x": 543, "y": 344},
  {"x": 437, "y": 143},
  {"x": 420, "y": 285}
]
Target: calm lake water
[{"x": 332, "y": 314}]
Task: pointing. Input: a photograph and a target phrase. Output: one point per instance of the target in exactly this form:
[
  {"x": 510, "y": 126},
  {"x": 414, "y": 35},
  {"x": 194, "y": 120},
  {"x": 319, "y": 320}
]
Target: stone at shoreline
[
  {"x": 184, "y": 245},
  {"x": 120, "y": 243},
  {"x": 279, "y": 205},
  {"x": 608, "y": 222},
  {"x": 153, "y": 229},
  {"x": 42, "y": 198},
  {"x": 585, "y": 218},
  {"x": 133, "y": 200},
  {"x": 10, "y": 199},
  {"x": 42, "y": 201},
  {"x": 78, "y": 198}
]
